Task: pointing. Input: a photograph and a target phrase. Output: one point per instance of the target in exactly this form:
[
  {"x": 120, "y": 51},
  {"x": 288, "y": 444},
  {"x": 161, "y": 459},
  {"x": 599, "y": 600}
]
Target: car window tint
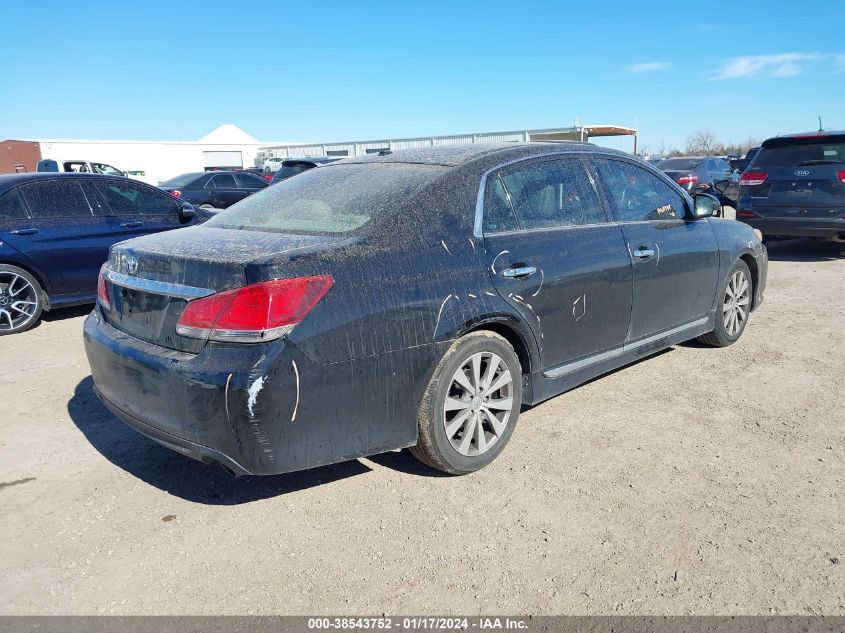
[
  {"x": 224, "y": 181},
  {"x": 55, "y": 199},
  {"x": 498, "y": 211},
  {"x": 249, "y": 182},
  {"x": 552, "y": 193},
  {"x": 125, "y": 198},
  {"x": 636, "y": 194},
  {"x": 12, "y": 206}
]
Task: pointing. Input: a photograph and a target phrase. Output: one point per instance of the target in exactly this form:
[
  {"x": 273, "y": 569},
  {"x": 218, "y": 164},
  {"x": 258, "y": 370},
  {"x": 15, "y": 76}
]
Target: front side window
[
  {"x": 108, "y": 170},
  {"x": 127, "y": 199},
  {"x": 12, "y": 206},
  {"x": 56, "y": 199},
  {"x": 638, "y": 195},
  {"x": 546, "y": 194},
  {"x": 222, "y": 181}
]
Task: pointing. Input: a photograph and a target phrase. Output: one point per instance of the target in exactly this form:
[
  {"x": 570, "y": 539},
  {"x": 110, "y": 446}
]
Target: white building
[
  {"x": 358, "y": 148},
  {"x": 152, "y": 161}
]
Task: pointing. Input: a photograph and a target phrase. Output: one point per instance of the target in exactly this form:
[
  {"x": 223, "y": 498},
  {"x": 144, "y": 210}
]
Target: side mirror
[
  {"x": 186, "y": 210},
  {"x": 705, "y": 206}
]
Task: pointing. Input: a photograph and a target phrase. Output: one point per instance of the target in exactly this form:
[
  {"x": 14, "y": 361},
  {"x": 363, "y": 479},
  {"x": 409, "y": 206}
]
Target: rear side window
[
  {"x": 548, "y": 194},
  {"x": 128, "y": 199},
  {"x": 250, "y": 182},
  {"x": 802, "y": 152},
  {"x": 638, "y": 195},
  {"x": 330, "y": 200},
  {"x": 12, "y": 206},
  {"x": 56, "y": 199}
]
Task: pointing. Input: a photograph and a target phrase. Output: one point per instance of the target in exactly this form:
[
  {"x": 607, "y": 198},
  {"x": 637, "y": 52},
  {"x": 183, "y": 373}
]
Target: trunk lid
[{"x": 151, "y": 279}]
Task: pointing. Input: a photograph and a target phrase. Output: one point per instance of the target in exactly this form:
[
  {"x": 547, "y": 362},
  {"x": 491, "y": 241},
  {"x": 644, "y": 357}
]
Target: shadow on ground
[
  {"x": 805, "y": 250},
  {"x": 183, "y": 477}
]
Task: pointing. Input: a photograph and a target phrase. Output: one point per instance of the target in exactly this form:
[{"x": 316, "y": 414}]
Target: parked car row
[{"x": 703, "y": 173}]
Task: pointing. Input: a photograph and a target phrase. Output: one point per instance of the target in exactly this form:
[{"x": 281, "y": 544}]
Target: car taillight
[
  {"x": 685, "y": 180},
  {"x": 176, "y": 193},
  {"x": 103, "y": 289},
  {"x": 753, "y": 178},
  {"x": 841, "y": 176},
  {"x": 745, "y": 214},
  {"x": 254, "y": 313}
]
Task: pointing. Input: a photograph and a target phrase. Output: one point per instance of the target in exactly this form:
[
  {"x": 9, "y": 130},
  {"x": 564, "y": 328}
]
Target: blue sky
[{"x": 324, "y": 71}]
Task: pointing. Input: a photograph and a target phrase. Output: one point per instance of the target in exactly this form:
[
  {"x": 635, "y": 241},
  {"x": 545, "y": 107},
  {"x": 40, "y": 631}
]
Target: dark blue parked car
[{"x": 55, "y": 233}]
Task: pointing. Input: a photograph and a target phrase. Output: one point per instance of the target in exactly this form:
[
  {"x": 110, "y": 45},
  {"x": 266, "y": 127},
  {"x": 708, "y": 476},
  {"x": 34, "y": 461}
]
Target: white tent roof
[{"x": 228, "y": 134}]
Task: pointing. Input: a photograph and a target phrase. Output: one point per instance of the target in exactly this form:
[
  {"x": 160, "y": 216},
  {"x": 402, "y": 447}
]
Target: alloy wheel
[
  {"x": 479, "y": 403},
  {"x": 735, "y": 307},
  {"x": 18, "y": 301}
]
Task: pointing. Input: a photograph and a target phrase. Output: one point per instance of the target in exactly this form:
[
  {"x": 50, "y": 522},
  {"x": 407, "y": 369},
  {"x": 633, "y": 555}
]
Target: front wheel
[
  {"x": 471, "y": 405},
  {"x": 732, "y": 315},
  {"x": 21, "y": 300}
]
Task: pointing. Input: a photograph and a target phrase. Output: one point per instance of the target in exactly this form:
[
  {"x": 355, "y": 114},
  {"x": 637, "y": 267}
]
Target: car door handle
[
  {"x": 522, "y": 271},
  {"x": 131, "y": 225},
  {"x": 643, "y": 253},
  {"x": 25, "y": 232}
]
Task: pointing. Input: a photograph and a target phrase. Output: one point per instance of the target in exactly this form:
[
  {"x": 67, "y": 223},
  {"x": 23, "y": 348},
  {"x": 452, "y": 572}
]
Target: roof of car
[{"x": 317, "y": 160}]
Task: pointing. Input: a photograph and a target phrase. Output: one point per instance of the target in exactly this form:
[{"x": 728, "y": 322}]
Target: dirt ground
[{"x": 699, "y": 481}]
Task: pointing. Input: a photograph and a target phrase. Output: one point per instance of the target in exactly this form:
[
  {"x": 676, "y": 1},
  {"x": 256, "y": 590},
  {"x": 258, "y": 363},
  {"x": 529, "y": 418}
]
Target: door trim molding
[{"x": 568, "y": 368}]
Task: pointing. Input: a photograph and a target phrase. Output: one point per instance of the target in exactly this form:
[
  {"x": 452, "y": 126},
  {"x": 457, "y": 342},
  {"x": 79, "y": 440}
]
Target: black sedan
[
  {"x": 411, "y": 299},
  {"x": 214, "y": 189}
]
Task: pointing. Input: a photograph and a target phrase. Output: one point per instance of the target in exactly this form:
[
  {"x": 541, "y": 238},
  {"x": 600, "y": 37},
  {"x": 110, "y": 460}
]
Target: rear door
[
  {"x": 553, "y": 256},
  {"x": 223, "y": 191},
  {"x": 68, "y": 238},
  {"x": 135, "y": 209},
  {"x": 675, "y": 260}
]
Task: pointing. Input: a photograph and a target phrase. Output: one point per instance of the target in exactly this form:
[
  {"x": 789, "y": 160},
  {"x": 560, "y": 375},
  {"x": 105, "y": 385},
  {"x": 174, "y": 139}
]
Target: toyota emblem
[{"x": 131, "y": 265}]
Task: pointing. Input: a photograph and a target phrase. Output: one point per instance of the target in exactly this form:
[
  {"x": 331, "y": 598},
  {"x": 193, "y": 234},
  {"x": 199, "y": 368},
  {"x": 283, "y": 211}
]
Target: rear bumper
[
  {"x": 257, "y": 409},
  {"x": 796, "y": 227}
]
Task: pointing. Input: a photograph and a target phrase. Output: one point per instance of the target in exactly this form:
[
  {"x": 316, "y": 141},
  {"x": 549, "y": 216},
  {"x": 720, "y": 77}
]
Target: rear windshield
[
  {"x": 330, "y": 200},
  {"x": 679, "y": 163},
  {"x": 180, "y": 181},
  {"x": 801, "y": 152}
]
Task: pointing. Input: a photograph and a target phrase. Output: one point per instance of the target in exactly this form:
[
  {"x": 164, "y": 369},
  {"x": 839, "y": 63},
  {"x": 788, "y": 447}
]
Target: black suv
[{"x": 795, "y": 187}]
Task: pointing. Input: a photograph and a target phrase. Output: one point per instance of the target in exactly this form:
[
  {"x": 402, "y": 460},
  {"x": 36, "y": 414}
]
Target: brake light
[
  {"x": 685, "y": 180},
  {"x": 745, "y": 214},
  {"x": 103, "y": 290},
  {"x": 176, "y": 193},
  {"x": 841, "y": 176},
  {"x": 753, "y": 178},
  {"x": 254, "y": 313}
]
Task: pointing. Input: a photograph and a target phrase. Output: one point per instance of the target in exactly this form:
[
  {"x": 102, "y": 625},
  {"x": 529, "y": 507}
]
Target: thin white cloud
[
  {"x": 778, "y": 65},
  {"x": 648, "y": 67},
  {"x": 840, "y": 63}
]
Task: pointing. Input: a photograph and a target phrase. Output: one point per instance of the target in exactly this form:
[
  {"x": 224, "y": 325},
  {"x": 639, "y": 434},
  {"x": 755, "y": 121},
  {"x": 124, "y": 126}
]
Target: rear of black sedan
[{"x": 410, "y": 300}]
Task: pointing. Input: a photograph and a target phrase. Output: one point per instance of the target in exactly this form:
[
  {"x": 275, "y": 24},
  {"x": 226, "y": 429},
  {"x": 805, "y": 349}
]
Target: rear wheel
[
  {"x": 21, "y": 300},
  {"x": 732, "y": 316},
  {"x": 471, "y": 405}
]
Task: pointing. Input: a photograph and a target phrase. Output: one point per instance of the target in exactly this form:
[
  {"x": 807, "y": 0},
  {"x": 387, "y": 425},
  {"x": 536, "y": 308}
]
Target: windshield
[
  {"x": 799, "y": 152},
  {"x": 291, "y": 169},
  {"x": 679, "y": 163},
  {"x": 329, "y": 200},
  {"x": 181, "y": 181}
]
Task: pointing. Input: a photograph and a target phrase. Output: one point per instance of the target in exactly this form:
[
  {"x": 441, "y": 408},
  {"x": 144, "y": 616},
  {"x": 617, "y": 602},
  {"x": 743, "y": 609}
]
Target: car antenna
[{"x": 821, "y": 129}]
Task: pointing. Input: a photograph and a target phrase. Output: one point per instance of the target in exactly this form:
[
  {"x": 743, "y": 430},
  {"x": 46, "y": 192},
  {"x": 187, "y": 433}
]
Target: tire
[
  {"x": 728, "y": 329},
  {"x": 21, "y": 300},
  {"x": 466, "y": 447}
]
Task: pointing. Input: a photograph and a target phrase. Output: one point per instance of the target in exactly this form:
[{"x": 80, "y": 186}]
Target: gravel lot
[{"x": 698, "y": 481}]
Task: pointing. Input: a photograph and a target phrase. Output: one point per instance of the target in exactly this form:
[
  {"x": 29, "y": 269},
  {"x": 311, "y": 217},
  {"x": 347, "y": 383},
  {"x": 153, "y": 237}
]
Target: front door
[
  {"x": 675, "y": 258},
  {"x": 555, "y": 259}
]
